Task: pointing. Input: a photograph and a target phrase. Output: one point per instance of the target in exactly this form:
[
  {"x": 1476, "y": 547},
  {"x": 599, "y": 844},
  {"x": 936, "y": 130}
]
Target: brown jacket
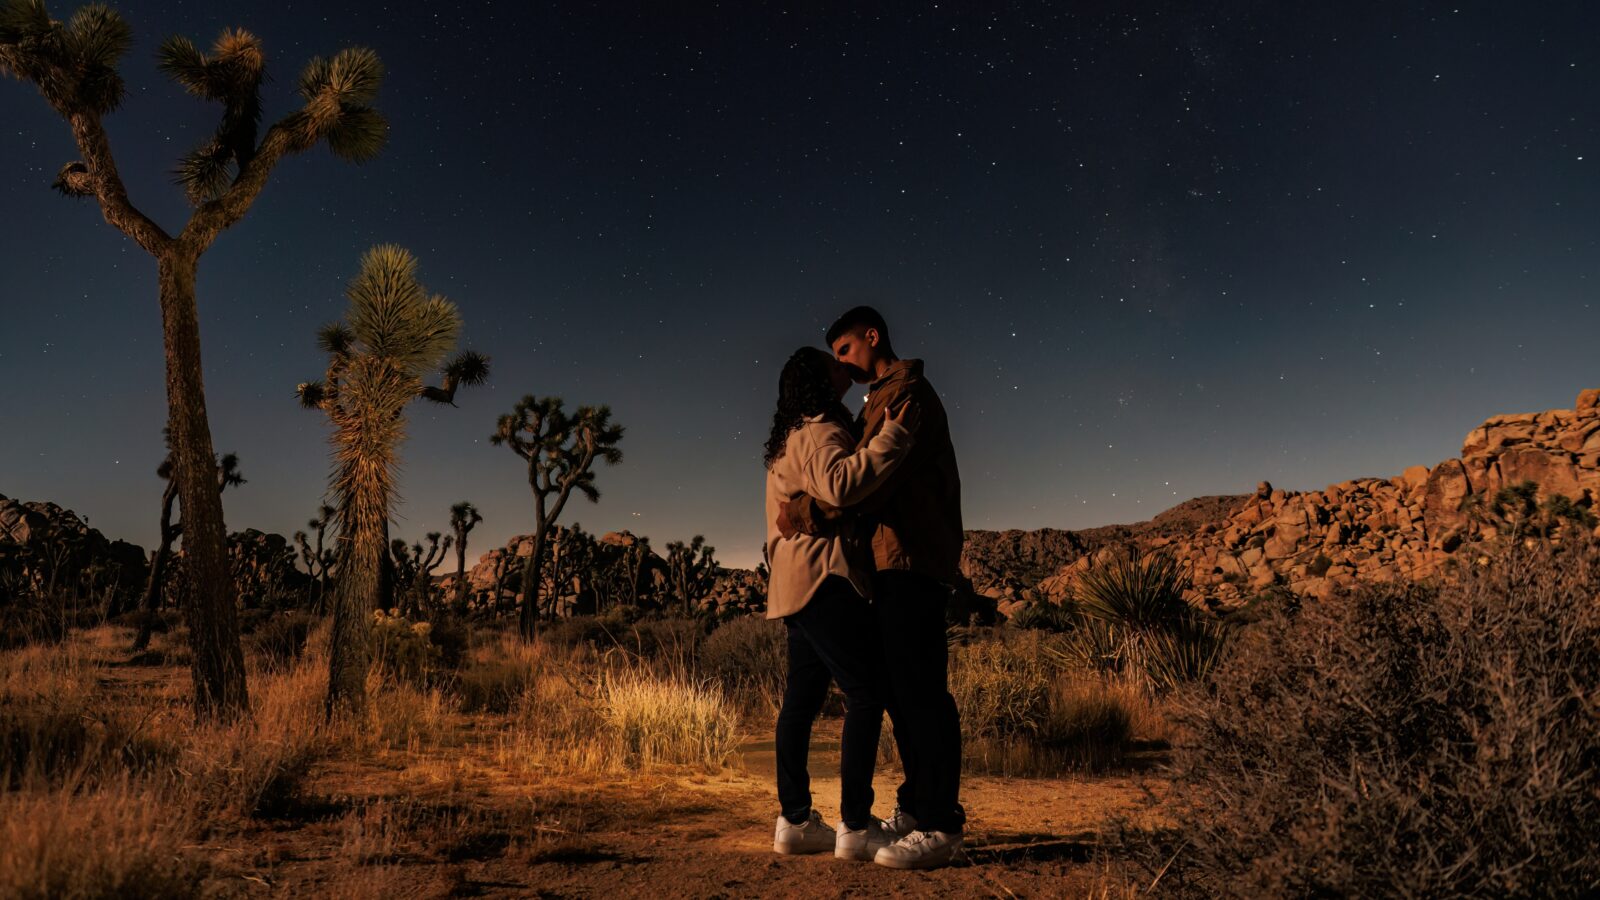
[{"x": 915, "y": 516}]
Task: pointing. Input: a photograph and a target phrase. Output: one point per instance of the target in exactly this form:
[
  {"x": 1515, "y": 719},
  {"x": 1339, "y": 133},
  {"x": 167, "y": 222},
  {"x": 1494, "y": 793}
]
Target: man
[{"x": 915, "y": 523}]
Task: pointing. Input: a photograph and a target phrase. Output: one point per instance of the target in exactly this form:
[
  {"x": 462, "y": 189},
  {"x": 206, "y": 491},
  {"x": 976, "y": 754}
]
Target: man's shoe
[
  {"x": 862, "y": 844},
  {"x": 921, "y": 850},
  {"x": 813, "y": 837},
  {"x": 900, "y": 824}
]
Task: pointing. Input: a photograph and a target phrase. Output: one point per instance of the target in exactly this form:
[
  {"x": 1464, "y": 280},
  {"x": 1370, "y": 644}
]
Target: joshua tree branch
[
  {"x": 109, "y": 191},
  {"x": 215, "y": 216}
]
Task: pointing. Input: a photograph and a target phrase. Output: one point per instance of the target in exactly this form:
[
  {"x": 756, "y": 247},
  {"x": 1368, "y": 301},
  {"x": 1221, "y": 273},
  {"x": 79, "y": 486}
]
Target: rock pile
[{"x": 1410, "y": 526}]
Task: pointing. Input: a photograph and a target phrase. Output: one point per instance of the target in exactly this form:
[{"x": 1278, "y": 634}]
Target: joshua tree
[
  {"x": 74, "y": 66},
  {"x": 227, "y": 476},
  {"x": 412, "y": 565},
  {"x": 692, "y": 570},
  {"x": 318, "y": 563},
  {"x": 559, "y": 450},
  {"x": 394, "y": 334},
  {"x": 463, "y": 518}
]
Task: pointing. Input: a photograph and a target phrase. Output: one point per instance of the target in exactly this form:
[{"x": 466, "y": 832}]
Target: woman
[{"x": 818, "y": 589}]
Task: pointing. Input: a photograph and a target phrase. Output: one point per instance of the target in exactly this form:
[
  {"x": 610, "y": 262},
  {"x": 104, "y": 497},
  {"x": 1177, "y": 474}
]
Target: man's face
[
  {"x": 857, "y": 350},
  {"x": 839, "y": 378}
]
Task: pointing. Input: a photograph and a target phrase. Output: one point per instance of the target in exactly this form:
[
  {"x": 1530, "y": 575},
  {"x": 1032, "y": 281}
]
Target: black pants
[
  {"x": 834, "y": 638},
  {"x": 927, "y": 727}
]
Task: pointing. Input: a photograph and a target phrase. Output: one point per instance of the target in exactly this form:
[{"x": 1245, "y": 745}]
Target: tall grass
[{"x": 667, "y": 720}]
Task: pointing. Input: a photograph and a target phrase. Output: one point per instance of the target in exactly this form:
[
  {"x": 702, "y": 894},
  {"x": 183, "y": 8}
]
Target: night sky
[{"x": 1148, "y": 252}]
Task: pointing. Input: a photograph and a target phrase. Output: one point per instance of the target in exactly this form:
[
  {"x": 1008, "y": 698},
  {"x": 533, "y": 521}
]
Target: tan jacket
[
  {"x": 821, "y": 459},
  {"x": 916, "y": 516}
]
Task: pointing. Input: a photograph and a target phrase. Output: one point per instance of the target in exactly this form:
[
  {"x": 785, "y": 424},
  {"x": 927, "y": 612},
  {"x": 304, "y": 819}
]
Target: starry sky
[{"x": 1148, "y": 251}]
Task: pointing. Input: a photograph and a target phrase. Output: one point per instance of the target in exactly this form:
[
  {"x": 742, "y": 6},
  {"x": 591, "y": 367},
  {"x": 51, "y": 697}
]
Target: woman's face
[{"x": 839, "y": 377}]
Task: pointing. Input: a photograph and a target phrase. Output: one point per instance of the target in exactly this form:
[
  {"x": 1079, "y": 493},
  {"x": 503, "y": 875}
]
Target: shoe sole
[
  {"x": 921, "y": 862},
  {"x": 861, "y": 855}
]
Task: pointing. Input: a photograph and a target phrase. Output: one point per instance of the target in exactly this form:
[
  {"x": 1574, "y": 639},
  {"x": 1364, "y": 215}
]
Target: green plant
[{"x": 1043, "y": 615}]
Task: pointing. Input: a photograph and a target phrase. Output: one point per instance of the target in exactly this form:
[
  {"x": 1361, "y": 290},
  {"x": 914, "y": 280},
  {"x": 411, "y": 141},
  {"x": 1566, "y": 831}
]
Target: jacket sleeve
[{"x": 837, "y": 476}]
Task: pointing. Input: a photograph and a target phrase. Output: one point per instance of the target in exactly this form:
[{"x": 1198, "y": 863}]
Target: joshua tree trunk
[
  {"x": 158, "y": 569},
  {"x": 531, "y": 571},
  {"x": 359, "y": 591},
  {"x": 461, "y": 574},
  {"x": 218, "y": 661}
]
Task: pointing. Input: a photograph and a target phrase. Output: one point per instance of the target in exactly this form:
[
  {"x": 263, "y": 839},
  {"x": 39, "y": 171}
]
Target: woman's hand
[{"x": 907, "y": 417}]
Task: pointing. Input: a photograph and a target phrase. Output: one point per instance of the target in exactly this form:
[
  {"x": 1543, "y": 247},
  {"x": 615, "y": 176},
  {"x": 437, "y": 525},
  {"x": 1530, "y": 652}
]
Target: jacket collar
[{"x": 898, "y": 370}]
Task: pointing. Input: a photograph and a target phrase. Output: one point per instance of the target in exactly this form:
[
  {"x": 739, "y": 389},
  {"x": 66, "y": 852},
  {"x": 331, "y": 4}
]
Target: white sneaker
[
  {"x": 813, "y": 837},
  {"x": 900, "y": 824},
  {"x": 921, "y": 850},
  {"x": 864, "y": 843}
]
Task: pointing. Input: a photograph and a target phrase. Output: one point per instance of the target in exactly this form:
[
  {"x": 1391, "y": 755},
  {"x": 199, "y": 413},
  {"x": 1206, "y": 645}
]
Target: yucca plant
[
  {"x": 74, "y": 66},
  {"x": 1134, "y": 620},
  {"x": 394, "y": 334},
  {"x": 560, "y": 450}
]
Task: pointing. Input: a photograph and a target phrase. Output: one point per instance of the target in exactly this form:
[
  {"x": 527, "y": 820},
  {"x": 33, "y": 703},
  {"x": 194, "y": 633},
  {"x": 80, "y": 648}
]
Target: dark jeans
[
  {"x": 832, "y": 638},
  {"x": 927, "y": 727}
]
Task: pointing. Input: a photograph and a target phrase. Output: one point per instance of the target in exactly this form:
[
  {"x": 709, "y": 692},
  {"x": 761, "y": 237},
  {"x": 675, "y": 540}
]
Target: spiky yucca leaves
[
  {"x": 394, "y": 333},
  {"x": 74, "y": 63},
  {"x": 560, "y": 451},
  {"x": 1134, "y": 620},
  {"x": 230, "y": 75}
]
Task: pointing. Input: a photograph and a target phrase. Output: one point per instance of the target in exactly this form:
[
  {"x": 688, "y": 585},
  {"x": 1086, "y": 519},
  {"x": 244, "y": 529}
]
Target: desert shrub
[
  {"x": 1134, "y": 622},
  {"x": 498, "y": 676},
  {"x": 748, "y": 656},
  {"x": 672, "y": 641},
  {"x": 280, "y": 639},
  {"x": 114, "y": 842},
  {"x": 404, "y": 649},
  {"x": 1042, "y": 615},
  {"x": 1022, "y": 714},
  {"x": 1403, "y": 741},
  {"x": 254, "y": 767},
  {"x": 667, "y": 720}
]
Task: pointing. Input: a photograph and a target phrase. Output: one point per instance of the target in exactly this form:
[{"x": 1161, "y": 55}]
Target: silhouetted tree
[
  {"x": 394, "y": 334},
  {"x": 560, "y": 450},
  {"x": 411, "y": 566},
  {"x": 463, "y": 518},
  {"x": 227, "y": 476},
  {"x": 318, "y": 562},
  {"x": 74, "y": 65},
  {"x": 691, "y": 571}
]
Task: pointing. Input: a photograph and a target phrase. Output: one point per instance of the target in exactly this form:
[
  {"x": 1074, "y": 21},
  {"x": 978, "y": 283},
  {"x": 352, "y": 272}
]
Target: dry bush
[
  {"x": 749, "y": 657},
  {"x": 1021, "y": 714},
  {"x": 497, "y": 675},
  {"x": 280, "y": 639},
  {"x": 113, "y": 842},
  {"x": 1403, "y": 741}
]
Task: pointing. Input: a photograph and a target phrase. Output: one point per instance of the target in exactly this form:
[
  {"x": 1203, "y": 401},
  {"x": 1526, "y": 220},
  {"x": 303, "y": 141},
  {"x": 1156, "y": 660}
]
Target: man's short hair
[{"x": 861, "y": 316}]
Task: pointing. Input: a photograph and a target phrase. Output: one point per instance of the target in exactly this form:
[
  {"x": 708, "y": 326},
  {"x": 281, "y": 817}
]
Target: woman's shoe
[
  {"x": 861, "y": 844},
  {"x": 812, "y": 837}
]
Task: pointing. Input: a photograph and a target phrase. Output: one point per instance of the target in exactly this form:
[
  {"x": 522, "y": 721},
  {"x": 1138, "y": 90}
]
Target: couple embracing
[{"x": 863, "y": 540}]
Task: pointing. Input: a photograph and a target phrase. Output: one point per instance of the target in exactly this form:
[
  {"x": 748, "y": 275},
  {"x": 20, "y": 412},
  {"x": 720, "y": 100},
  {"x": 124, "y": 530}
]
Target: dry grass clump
[
  {"x": 497, "y": 675},
  {"x": 1021, "y": 714},
  {"x": 117, "y": 841},
  {"x": 667, "y": 720},
  {"x": 1403, "y": 741}
]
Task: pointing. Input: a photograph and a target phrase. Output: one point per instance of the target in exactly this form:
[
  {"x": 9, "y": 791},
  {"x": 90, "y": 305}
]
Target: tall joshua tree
[
  {"x": 393, "y": 335},
  {"x": 74, "y": 66},
  {"x": 463, "y": 518},
  {"x": 318, "y": 562},
  {"x": 228, "y": 475},
  {"x": 560, "y": 451}
]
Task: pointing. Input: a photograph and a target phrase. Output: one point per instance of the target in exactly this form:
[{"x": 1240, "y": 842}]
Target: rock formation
[{"x": 1410, "y": 526}]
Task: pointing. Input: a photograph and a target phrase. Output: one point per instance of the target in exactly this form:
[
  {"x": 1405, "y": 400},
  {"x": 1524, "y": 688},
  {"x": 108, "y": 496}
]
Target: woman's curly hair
[{"x": 805, "y": 388}]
